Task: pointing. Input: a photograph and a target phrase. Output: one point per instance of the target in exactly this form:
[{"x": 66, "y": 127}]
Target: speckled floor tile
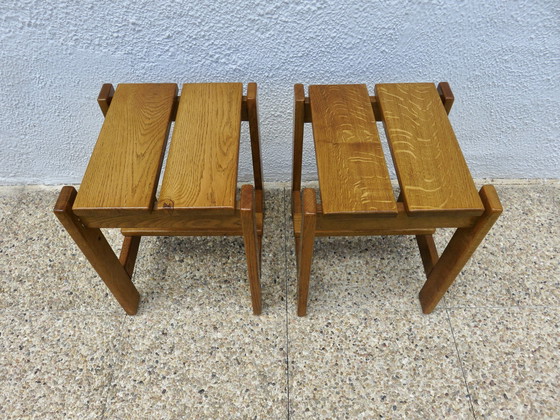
[
  {"x": 56, "y": 364},
  {"x": 375, "y": 363},
  {"x": 361, "y": 272},
  {"x": 518, "y": 263},
  {"x": 180, "y": 364},
  {"x": 364, "y": 349},
  {"x": 511, "y": 360},
  {"x": 41, "y": 267}
]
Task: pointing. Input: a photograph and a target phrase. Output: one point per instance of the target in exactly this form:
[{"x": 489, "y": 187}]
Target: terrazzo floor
[{"x": 194, "y": 350}]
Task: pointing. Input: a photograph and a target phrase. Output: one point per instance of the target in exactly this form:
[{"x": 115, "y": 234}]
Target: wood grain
[
  {"x": 430, "y": 166},
  {"x": 252, "y": 247},
  {"x": 459, "y": 250},
  {"x": 201, "y": 169},
  {"x": 305, "y": 251},
  {"x": 299, "y": 114},
  {"x": 129, "y": 252},
  {"x": 364, "y": 225},
  {"x": 428, "y": 251},
  {"x": 353, "y": 175},
  {"x": 254, "y": 132},
  {"x": 124, "y": 167},
  {"x": 165, "y": 220},
  {"x": 198, "y": 227},
  {"x": 98, "y": 252}
]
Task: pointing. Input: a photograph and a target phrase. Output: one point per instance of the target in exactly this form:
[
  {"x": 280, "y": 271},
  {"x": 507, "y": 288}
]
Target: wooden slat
[
  {"x": 353, "y": 175},
  {"x": 430, "y": 166},
  {"x": 195, "y": 228},
  {"x": 187, "y": 221},
  {"x": 124, "y": 167},
  {"x": 201, "y": 169}
]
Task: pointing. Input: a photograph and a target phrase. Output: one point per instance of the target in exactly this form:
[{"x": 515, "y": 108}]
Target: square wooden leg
[
  {"x": 460, "y": 248},
  {"x": 252, "y": 246},
  {"x": 305, "y": 251},
  {"x": 99, "y": 253}
]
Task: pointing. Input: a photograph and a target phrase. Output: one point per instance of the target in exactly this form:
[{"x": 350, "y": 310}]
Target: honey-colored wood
[
  {"x": 430, "y": 166},
  {"x": 201, "y": 169},
  {"x": 446, "y": 96},
  {"x": 437, "y": 190},
  {"x": 167, "y": 220},
  {"x": 299, "y": 115},
  {"x": 345, "y": 227},
  {"x": 426, "y": 244},
  {"x": 129, "y": 252},
  {"x": 198, "y": 228},
  {"x": 428, "y": 252},
  {"x": 98, "y": 251},
  {"x": 105, "y": 97},
  {"x": 124, "y": 167},
  {"x": 460, "y": 248},
  {"x": 353, "y": 175},
  {"x": 253, "y": 118},
  {"x": 306, "y": 242},
  {"x": 252, "y": 248},
  {"x": 199, "y": 186},
  {"x": 359, "y": 223}
]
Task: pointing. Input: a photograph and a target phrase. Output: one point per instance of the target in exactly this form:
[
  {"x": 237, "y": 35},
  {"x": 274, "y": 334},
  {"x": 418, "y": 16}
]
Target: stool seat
[
  {"x": 199, "y": 186},
  {"x": 437, "y": 190},
  {"x": 201, "y": 169}
]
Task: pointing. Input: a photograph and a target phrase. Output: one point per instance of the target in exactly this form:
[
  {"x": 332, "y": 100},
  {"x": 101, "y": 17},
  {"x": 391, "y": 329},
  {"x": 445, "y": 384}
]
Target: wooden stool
[
  {"x": 198, "y": 191},
  {"x": 437, "y": 190}
]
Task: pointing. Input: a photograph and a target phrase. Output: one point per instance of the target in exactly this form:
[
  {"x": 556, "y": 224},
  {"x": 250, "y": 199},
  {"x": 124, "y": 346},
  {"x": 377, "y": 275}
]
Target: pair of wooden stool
[{"x": 197, "y": 196}]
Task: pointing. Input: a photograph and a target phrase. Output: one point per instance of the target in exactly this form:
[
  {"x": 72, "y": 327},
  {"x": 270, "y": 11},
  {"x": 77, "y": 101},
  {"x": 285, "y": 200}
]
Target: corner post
[
  {"x": 105, "y": 97},
  {"x": 98, "y": 251},
  {"x": 252, "y": 248},
  {"x": 306, "y": 242},
  {"x": 253, "y": 117},
  {"x": 459, "y": 250}
]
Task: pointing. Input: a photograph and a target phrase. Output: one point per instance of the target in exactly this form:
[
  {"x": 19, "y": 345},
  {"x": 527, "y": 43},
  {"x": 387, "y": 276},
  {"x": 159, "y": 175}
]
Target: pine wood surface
[
  {"x": 430, "y": 166},
  {"x": 124, "y": 167},
  {"x": 201, "y": 169},
  {"x": 353, "y": 175}
]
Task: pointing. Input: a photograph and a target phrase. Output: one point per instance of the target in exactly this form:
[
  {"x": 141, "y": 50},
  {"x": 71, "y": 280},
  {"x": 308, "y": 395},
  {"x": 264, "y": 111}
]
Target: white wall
[{"x": 501, "y": 58}]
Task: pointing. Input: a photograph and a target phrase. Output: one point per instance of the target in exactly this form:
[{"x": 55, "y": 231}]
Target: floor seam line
[
  {"x": 471, "y": 405},
  {"x": 112, "y": 374},
  {"x": 287, "y": 306}
]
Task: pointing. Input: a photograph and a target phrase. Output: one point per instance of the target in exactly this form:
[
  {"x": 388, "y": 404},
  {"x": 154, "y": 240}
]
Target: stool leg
[
  {"x": 428, "y": 252},
  {"x": 129, "y": 252},
  {"x": 98, "y": 251},
  {"x": 305, "y": 247},
  {"x": 460, "y": 248},
  {"x": 253, "y": 117},
  {"x": 251, "y": 240}
]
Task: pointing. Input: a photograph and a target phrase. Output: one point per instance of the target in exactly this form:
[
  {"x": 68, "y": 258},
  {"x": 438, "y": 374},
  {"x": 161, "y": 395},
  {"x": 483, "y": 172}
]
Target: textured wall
[{"x": 500, "y": 57}]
